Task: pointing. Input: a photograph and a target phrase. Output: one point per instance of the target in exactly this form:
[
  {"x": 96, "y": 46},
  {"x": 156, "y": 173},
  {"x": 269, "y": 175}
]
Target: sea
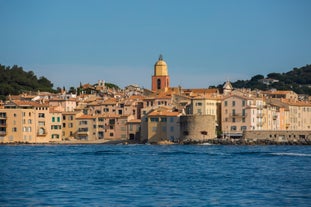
[{"x": 155, "y": 175}]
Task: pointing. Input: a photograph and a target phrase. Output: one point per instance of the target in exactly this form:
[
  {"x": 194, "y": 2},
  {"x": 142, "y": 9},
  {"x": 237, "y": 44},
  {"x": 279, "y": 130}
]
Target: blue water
[{"x": 147, "y": 175}]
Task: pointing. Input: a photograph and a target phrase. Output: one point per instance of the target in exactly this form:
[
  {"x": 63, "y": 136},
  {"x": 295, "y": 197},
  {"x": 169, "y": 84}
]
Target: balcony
[
  {"x": 275, "y": 117},
  {"x": 237, "y": 115},
  {"x": 2, "y": 133}
]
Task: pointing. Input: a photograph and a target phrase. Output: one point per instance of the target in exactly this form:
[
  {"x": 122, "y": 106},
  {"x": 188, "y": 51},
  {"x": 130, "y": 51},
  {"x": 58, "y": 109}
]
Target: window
[
  {"x": 198, "y": 104},
  {"x": 243, "y": 103},
  {"x": 164, "y": 129},
  {"x": 171, "y": 129},
  {"x": 233, "y": 119},
  {"x": 111, "y": 134},
  {"x": 154, "y": 119},
  {"x": 163, "y": 119},
  {"x": 58, "y": 119},
  {"x": 233, "y": 112},
  {"x": 226, "y": 103},
  {"x": 41, "y": 115},
  {"x": 14, "y": 129},
  {"x": 64, "y": 125},
  {"x": 53, "y": 119},
  {"x": 29, "y": 121},
  {"x": 171, "y": 119},
  {"x": 233, "y": 128},
  {"x": 159, "y": 84},
  {"x": 154, "y": 129},
  {"x": 243, "y": 112},
  {"x": 233, "y": 103},
  {"x": 83, "y": 122},
  {"x": 243, "y": 128},
  {"x": 112, "y": 121},
  {"x": 70, "y": 125}
]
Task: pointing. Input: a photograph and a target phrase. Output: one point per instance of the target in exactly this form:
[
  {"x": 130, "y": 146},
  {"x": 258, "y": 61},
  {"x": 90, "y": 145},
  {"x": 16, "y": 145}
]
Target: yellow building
[{"x": 25, "y": 121}]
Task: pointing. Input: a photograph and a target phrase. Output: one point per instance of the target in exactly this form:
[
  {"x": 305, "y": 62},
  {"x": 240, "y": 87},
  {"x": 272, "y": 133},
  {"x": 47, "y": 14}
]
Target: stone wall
[
  {"x": 278, "y": 136},
  {"x": 197, "y": 128}
]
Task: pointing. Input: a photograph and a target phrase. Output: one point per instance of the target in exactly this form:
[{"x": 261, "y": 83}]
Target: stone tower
[{"x": 160, "y": 78}]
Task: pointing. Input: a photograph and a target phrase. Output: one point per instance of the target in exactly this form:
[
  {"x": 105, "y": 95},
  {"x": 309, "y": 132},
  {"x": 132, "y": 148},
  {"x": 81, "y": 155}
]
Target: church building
[{"x": 160, "y": 79}]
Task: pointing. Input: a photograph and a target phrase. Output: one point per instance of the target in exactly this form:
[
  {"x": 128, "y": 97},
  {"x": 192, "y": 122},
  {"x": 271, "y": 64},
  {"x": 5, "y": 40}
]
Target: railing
[{"x": 237, "y": 115}]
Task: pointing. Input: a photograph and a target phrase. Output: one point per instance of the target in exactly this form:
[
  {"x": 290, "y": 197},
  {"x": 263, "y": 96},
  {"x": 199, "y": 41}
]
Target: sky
[{"x": 204, "y": 42}]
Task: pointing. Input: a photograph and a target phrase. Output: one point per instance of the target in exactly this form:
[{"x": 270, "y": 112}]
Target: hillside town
[{"x": 162, "y": 114}]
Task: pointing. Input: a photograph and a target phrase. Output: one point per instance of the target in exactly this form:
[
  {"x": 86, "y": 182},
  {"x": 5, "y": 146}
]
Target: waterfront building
[
  {"x": 297, "y": 115},
  {"x": 206, "y": 105},
  {"x": 133, "y": 129},
  {"x": 160, "y": 124},
  {"x": 240, "y": 113},
  {"x": 69, "y": 124},
  {"x": 56, "y": 124},
  {"x": 86, "y": 128},
  {"x": 25, "y": 121}
]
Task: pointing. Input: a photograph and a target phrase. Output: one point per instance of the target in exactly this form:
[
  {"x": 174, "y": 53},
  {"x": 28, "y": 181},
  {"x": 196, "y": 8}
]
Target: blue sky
[{"x": 204, "y": 42}]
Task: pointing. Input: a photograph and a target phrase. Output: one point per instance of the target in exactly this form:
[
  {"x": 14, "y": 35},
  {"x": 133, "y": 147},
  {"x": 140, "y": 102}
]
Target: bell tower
[{"x": 160, "y": 78}]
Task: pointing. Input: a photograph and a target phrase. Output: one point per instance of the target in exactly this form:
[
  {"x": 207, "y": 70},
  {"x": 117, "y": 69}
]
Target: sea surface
[{"x": 152, "y": 175}]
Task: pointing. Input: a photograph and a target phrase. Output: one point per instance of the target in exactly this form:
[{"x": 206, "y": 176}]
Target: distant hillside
[
  {"x": 14, "y": 80},
  {"x": 297, "y": 80}
]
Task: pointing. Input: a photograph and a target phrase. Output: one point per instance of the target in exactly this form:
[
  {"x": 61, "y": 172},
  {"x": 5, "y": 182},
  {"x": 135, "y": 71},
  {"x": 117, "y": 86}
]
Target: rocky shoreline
[{"x": 252, "y": 142}]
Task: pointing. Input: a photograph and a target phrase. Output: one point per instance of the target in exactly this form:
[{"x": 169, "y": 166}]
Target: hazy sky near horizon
[{"x": 204, "y": 42}]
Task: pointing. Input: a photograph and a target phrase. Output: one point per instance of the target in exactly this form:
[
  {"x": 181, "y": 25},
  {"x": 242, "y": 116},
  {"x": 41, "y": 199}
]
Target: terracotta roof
[
  {"x": 134, "y": 121},
  {"x": 296, "y": 103},
  {"x": 163, "y": 113},
  {"x": 86, "y": 117},
  {"x": 28, "y": 103}
]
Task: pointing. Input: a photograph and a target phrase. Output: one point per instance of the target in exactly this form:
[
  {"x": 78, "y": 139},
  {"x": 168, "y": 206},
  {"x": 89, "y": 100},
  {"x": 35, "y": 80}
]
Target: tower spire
[{"x": 160, "y": 57}]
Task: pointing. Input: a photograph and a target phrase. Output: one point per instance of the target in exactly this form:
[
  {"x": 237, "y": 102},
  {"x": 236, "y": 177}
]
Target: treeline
[
  {"x": 297, "y": 80},
  {"x": 14, "y": 80}
]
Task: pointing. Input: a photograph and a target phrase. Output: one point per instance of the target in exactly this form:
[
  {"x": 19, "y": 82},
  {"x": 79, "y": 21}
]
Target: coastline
[{"x": 215, "y": 141}]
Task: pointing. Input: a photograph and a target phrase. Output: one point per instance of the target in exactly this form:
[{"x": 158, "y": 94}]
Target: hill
[
  {"x": 297, "y": 80},
  {"x": 14, "y": 80}
]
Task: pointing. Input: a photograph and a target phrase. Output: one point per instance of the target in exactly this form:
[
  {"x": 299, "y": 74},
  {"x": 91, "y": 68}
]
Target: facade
[
  {"x": 25, "y": 121},
  {"x": 160, "y": 124},
  {"x": 240, "y": 113},
  {"x": 206, "y": 105},
  {"x": 69, "y": 124}
]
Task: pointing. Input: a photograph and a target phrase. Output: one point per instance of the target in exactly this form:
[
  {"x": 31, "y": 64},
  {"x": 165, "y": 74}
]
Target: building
[
  {"x": 25, "y": 121},
  {"x": 160, "y": 78},
  {"x": 240, "y": 113},
  {"x": 160, "y": 124}
]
